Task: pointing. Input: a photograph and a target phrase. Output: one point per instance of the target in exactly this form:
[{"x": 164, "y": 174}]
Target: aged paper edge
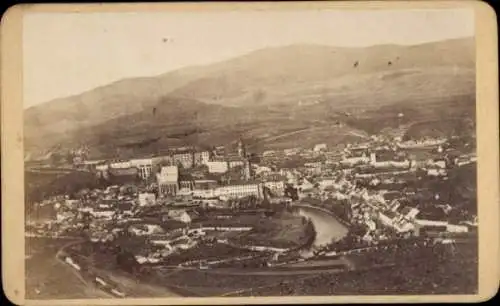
[{"x": 13, "y": 275}]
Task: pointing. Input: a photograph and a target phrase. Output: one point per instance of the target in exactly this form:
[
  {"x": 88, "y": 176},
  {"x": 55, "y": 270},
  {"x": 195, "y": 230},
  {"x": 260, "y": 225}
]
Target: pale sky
[{"x": 69, "y": 53}]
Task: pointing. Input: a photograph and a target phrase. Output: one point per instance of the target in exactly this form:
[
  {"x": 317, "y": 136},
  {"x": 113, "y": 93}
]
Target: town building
[
  {"x": 280, "y": 200},
  {"x": 326, "y": 182},
  {"x": 438, "y": 228},
  {"x": 240, "y": 189},
  {"x": 262, "y": 170},
  {"x": 92, "y": 165},
  {"x": 146, "y": 199},
  {"x": 351, "y": 161},
  {"x": 145, "y": 167},
  {"x": 320, "y": 147},
  {"x": 291, "y": 151},
  {"x": 100, "y": 166},
  {"x": 421, "y": 143},
  {"x": 201, "y": 158},
  {"x": 430, "y": 227},
  {"x": 100, "y": 212},
  {"x": 233, "y": 163},
  {"x": 305, "y": 186},
  {"x": 465, "y": 160},
  {"x": 269, "y": 153},
  {"x": 179, "y": 215},
  {"x": 393, "y": 220},
  {"x": 120, "y": 164},
  {"x": 385, "y": 159},
  {"x": 242, "y": 153},
  {"x": 219, "y": 151},
  {"x": 276, "y": 184},
  {"x": 204, "y": 189},
  {"x": 186, "y": 185},
  {"x": 247, "y": 170},
  {"x": 217, "y": 166},
  {"x": 186, "y": 159},
  {"x": 439, "y": 163},
  {"x": 435, "y": 171},
  {"x": 168, "y": 180}
]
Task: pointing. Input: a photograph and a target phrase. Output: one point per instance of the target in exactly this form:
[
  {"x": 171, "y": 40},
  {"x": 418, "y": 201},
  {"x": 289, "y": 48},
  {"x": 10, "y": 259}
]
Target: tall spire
[{"x": 241, "y": 148}]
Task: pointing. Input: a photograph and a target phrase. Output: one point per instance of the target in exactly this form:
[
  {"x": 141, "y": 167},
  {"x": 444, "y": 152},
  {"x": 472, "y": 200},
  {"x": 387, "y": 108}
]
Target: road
[
  {"x": 276, "y": 137},
  {"x": 55, "y": 170},
  {"x": 47, "y": 277},
  {"x": 131, "y": 287},
  {"x": 269, "y": 272}
]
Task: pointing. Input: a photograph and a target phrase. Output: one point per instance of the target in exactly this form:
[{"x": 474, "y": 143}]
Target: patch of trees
[
  {"x": 125, "y": 260},
  {"x": 291, "y": 192},
  {"x": 68, "y": 184}
]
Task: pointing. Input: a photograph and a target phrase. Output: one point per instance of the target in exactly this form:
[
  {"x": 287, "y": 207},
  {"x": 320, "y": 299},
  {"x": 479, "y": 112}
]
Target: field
[
  {"x": 40, "y": 185},
  {"x": 206, "y": 283},
  {"x": 281, "y": 230},
  {"x": 285, "y": 231},
  {"x": 449, "y": 273}
]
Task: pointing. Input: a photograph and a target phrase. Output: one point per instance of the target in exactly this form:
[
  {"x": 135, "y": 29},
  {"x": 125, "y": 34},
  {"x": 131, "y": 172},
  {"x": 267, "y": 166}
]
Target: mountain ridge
[{"x": 279, "y": 84}]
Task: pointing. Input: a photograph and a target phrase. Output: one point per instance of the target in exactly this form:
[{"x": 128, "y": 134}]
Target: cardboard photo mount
[{"x": 13, "y": 248}]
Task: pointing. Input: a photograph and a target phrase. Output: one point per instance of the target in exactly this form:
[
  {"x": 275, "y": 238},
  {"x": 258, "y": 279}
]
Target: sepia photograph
[{"x": 250, "y": 153}]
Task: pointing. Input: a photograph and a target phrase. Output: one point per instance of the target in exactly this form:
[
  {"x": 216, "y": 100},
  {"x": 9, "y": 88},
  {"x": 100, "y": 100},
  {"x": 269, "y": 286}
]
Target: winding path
[
  {"x": 61, "y": 253},
  {"x": 287, "y": 134},
  {"x": 132, "y": 288}
]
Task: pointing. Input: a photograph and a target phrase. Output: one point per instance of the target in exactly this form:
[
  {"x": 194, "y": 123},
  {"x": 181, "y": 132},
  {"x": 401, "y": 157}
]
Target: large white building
[
  {"x": 239, "y": 190},
  {"x": 120, "y": 164},
  {"x": 421, "y": 143},
  {"x": 377, "y": 163},
  {"x": 204, "y": 189},
  {"x": 168, "y": 180}
]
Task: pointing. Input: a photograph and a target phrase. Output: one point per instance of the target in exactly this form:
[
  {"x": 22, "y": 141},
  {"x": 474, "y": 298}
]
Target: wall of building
[{"x": 217, "y": 166}]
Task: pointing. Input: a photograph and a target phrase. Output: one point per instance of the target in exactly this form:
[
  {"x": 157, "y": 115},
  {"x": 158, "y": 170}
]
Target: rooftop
[
  {"x": 406, "y": 210},
  {"x": 239, "y": 182},
  {"x": 390, "y": 214},
  {"x": 123, "y": 171},
  {"x": 205, "y": 181},
  {"x": 275, "y": 178}
]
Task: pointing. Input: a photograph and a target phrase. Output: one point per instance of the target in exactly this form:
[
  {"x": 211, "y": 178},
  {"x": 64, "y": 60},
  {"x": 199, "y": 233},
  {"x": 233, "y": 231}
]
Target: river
[{"x": 327, "y": 227}]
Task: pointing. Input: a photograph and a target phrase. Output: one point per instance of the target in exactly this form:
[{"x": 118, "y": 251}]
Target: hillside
[
  {"x": 266, "y": 95},
  {"x": 277, "y": 75}
]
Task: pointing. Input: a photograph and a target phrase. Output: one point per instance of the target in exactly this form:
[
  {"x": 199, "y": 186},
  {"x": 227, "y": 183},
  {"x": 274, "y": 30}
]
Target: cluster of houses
[
  {"x": 380, "y": 163},
  {"x": 212, "y": 176}
]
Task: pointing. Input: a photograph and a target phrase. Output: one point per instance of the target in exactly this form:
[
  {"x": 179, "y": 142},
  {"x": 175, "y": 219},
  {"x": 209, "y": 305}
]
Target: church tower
[{"x": 241, "y": 149}]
